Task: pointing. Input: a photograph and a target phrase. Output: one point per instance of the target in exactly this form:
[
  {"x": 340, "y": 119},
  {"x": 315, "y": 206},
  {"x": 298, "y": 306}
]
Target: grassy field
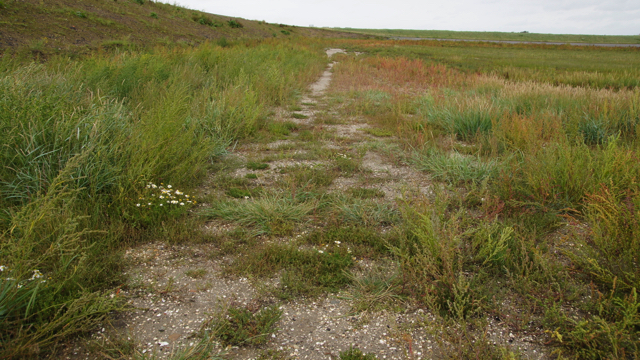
[
  {"x": 500, "y": 36},
  {"x": 544, "y": 182},
  {"x": 530, "y": 151},
  {"x": 570, "y": 65}
]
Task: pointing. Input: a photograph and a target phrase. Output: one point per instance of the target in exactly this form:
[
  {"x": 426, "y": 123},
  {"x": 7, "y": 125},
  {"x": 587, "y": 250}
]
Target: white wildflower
[
  {"x": 161, "y": 204},
  {"x": 3, "y": 268},
  {"x": 181, "y": 204},
  {"x": 168, "y": 186},
  {"x": 138, "y": 205},
  {"x": 36, "y": 275},
  {"x": 149, "y": 204}
]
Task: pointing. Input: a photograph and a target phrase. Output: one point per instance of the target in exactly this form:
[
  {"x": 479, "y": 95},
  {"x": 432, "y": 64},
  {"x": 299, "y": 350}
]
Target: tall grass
[{"x": 80, "y": 140}]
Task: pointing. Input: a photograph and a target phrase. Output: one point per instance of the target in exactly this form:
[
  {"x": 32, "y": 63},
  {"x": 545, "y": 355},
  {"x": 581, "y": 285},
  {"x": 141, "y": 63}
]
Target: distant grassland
[
  {"x": 556, "y": 64},
  {"x": 506, "y": 36}
]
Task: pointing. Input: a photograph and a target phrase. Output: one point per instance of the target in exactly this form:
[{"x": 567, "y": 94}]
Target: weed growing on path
[{"x": 241, "y": 326}]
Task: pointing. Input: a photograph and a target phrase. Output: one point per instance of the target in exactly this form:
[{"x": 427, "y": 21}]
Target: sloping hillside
[{"x": 71, "y": 25}]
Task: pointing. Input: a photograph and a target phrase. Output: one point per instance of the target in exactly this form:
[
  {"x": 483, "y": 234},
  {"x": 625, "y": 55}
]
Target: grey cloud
[{"x": 546, "y": 16}]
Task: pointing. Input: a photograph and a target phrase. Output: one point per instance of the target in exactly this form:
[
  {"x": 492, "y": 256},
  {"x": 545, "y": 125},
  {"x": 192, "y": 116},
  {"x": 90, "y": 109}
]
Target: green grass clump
[
  {"x": 378, "y": 132},
  {"x": 251, "y": 176},
  {"x": 456, "y": 168},
  {"x": 355, "y": 354},
  {"x": 347, "y": 165},
  {"x": 307, "y": 272},
  {"x": 239, "y": 326},
  {"x": 366, "y": 212},
  {"x": 282, "y": 128},
  {"x": 196, "y": 274},
  {"x": 239, "y": 193},
  {"x": 270, "y": 214},
  {"x": 310, "y": 177},
  {"x": 361, "y": 241},
  {"x": 252, "y": 165},
  {"x": 299, "y": 116},
  {"x": 366, "y": 193}
]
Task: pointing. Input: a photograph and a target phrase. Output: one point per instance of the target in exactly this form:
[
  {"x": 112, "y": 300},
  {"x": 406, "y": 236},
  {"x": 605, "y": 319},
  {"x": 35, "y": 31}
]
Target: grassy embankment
[
  {"x": 541, "y": 192},
  {"x": 500, "y": 36},
  {"x": 46, "y": 28},
  {"x": 81, "y": 142}
]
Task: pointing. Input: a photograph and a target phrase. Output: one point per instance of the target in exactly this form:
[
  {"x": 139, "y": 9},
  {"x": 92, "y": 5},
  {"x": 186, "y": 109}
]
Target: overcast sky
[{"x": 604, "y": 17}]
